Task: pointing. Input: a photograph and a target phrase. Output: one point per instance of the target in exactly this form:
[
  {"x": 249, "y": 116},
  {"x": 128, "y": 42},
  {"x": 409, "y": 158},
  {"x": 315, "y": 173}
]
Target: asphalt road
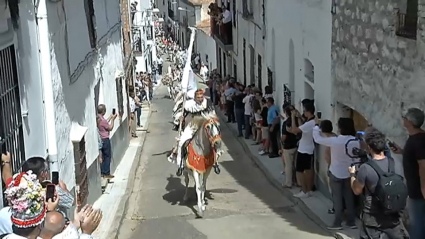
[{"x": 241, "y": 204}]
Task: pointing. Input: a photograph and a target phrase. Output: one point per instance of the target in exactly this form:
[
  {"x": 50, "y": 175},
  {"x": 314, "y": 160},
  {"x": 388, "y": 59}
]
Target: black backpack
[{"x": 391, "y": 192}]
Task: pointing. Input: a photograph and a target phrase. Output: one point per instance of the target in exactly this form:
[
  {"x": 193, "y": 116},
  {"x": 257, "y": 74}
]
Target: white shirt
[
  {"x": 306, "y": 145},
  {"x": 247, "y": 102},
  {"x": 132, "y": 105},
  {"x": 227, "y": 16},
  {"x": 339, "y": 159},
  {"x": 268, "y": 96},
  {"x": 204, "y": 71},
  {"x": 5, "y": 221}
]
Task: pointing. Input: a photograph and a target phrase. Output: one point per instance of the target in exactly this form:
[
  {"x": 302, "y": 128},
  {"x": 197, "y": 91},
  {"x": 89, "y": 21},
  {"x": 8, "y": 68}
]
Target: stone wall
[{"x": 376, "y": 72}]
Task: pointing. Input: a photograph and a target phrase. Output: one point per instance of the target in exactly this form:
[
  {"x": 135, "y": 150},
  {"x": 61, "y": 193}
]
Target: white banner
[{"x": 188, "y": 83}]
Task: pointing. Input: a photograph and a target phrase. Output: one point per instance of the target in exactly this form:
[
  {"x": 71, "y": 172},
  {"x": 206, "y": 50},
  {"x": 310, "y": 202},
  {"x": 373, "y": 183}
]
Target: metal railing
[
  {"x": 11, "y": 130},
  {"x": 406, "y": 25}
]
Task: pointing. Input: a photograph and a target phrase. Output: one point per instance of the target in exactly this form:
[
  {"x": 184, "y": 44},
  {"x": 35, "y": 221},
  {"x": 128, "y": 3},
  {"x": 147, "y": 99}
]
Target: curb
[
  {"x": 123, "y": 203},
  {"x": 275, "y": 183}
]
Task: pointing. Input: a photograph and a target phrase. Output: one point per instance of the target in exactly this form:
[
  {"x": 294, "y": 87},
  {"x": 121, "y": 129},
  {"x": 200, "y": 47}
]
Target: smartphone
[
  {"x": 50, "y": 192},
  {"x": 55, "y": 178},
  {"x": 319, "y": 114},
  {"x": 391, "y": 145},
  {"x": 114, "y": 111}
]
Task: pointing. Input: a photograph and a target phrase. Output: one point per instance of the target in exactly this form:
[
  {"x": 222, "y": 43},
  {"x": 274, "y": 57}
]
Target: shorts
[
  {"x": 265, "y": 132},
  {"x": 304, "y": 162}
]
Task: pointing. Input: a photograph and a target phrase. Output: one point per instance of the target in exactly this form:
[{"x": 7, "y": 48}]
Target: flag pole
[{"x": 185, "y": 86}]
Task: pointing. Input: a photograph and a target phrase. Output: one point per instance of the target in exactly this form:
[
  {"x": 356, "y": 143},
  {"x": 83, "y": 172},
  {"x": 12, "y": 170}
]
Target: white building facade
[
  {"x": 84, "y": 67},
  {"x": 298, "y": 55},
  {"x": 287, "y": 45},
  {"x": 182, "y": 14},
  {"x": 143, "y": 29}
]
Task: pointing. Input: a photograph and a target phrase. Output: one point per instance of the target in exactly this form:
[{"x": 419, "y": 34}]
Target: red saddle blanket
[{"x": 199, "y": 163}]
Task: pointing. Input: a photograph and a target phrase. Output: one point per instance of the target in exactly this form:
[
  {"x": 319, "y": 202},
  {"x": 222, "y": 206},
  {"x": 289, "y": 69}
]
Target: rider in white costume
[{"x": 199, "y": 105}]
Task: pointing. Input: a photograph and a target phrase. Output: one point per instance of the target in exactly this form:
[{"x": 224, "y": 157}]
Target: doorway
[
  {"x": 252, "y": 64},
  {"x": 260, "y": 72},
  {"x": 291, "y": 82}
]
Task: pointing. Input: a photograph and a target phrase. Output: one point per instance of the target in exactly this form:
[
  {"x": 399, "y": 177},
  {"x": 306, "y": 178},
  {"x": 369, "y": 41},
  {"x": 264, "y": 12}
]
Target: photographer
[
  {"x": 339, "y": 177},
  {"x": 384, "y": 191}
]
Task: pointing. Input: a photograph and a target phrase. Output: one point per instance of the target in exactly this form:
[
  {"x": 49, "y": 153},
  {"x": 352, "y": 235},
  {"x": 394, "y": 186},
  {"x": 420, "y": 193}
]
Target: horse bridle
[
  {"x": 209, "y": 123},
  {"x": 213, "y": 140}
]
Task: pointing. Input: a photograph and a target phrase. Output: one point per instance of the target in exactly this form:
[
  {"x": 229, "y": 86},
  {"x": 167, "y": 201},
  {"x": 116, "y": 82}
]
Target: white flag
[{"x": 188, "y": 83}]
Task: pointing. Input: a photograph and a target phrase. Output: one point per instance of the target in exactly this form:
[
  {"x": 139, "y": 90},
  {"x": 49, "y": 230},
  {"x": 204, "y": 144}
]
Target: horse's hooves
[
  {"x": 217, "y": 170},
  {"x": 179, "y": 172},
  {"x": 200, "y": 212}
]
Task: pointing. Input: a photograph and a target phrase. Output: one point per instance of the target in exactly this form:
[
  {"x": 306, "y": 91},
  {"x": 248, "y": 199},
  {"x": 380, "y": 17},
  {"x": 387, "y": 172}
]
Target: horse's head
[{"x": 212, "y": 129}]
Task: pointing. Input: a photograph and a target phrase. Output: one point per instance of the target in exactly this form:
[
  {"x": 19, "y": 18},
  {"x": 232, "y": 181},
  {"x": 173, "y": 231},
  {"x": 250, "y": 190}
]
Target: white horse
[{"x": 202, "y": 154}]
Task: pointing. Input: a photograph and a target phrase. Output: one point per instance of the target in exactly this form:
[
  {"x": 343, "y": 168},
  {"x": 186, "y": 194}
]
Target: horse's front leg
[
  {"x": 206, "y": 174},
  {"x": 198, "y": 185},
  {"x": 186, "y": 182}
]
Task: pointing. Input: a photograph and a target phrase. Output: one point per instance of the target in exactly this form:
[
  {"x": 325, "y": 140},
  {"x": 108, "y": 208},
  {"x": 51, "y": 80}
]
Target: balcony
[
  {"x": 406, "y": 25},
  {"x": 222, "y": 35}
]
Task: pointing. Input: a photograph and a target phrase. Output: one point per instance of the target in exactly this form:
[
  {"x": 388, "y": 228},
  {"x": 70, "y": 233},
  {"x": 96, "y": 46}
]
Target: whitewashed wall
[
  {"x": 77, "y": 69},
  {"x": 31, "y": 91},
  {"x": 298, "y": 30},
  {"x": 206, "y": 46}
]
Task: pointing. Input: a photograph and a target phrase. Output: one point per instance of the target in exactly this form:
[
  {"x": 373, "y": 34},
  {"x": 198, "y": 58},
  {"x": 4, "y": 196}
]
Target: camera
[{"x": 356, "y": 153}]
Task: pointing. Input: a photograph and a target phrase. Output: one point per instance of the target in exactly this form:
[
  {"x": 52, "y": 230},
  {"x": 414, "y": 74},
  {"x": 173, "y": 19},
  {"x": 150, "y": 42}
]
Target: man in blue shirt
[{"x": 273, "y": 120}]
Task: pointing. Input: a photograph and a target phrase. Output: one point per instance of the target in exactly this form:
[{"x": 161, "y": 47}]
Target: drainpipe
[{"x": 46, "y": 75}]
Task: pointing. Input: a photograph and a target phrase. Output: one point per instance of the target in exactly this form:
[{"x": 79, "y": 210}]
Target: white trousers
[
  {"x": 186, "y": 135},
  {"x": 169, "y": 92}
]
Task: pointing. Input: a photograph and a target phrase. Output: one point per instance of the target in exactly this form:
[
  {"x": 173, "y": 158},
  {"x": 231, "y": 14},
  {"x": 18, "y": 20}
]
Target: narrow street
[{"x": 242, "y": 203}]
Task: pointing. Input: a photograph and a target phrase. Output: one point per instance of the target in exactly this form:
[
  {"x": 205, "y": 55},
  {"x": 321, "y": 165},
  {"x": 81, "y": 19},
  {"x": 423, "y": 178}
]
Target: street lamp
[{"x": 184, "y": 9}]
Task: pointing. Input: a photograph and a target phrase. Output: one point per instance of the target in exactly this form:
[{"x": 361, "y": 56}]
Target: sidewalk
[
  {"x": 117, "y": 192},
  {"x": 316, "y": 207}
]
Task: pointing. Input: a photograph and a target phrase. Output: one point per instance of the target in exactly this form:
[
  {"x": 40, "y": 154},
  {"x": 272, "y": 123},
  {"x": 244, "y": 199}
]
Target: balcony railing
[
  {"x": 221, "y": 32},
  {"x": 406, "y": 25},
  {"x": 170, "y": 13}
]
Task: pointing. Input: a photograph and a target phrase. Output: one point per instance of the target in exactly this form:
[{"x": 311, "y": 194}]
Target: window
[
  {"x": 224, "y": 65},
  {"x": 309, "y": 70},
  {"x": 220, "y": 67},
  {"x": 120, "y": 97},
  {"x": 234, "y": 12},
  {"x": 235, "y": 70},
  {"x": 148, "y": 32},
  {"x": 91, "y": 22},
  {"x": 260, "y": 70},
  {"x": 270, "y": 80},
  {"x": 11, "y": 130},
  {"x": 407, "y": 23},
  {"x": 246, "y": 9}
]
